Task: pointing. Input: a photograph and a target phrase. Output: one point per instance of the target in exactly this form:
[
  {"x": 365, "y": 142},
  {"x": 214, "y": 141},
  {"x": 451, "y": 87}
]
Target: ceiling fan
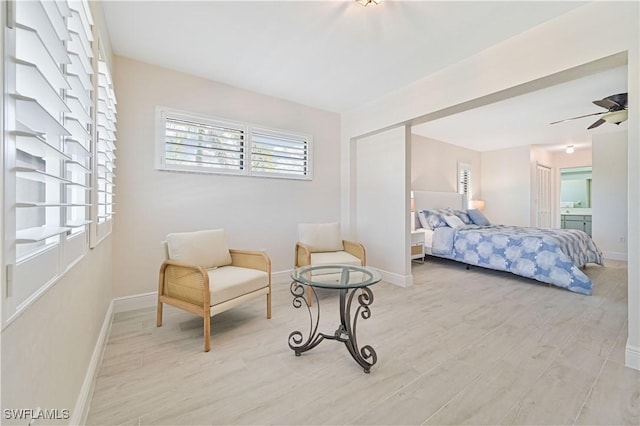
[{"x": 616, "y": 111}]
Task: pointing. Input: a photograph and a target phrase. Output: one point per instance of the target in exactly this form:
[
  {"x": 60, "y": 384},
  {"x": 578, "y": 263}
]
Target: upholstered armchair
[
  {"x": 202, "y": 276},
  {"x": 322, "y": 244}
]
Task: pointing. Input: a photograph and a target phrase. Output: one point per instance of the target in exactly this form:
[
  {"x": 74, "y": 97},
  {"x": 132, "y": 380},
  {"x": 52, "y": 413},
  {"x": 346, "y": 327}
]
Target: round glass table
[{"x": 350, "y": 281}]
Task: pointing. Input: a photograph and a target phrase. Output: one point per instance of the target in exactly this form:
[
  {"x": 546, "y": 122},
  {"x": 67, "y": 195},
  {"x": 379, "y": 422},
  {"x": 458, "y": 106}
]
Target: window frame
[
  {"x": 62, "y": 207},
  {"x": 247, "y": 129},
  {"x": 465, "y": 168}
]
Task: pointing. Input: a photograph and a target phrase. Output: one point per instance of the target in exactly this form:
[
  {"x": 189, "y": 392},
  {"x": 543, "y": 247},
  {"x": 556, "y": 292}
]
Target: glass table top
[{"x": 336, "y": 276}]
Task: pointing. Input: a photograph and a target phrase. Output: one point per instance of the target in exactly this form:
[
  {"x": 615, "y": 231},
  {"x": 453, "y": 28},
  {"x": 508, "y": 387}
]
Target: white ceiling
[
  {"x": 336, "y": 55},
  {"x": 525, "y": 119}
]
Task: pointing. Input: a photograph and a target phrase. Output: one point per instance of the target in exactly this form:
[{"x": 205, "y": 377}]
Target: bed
[{"x": 552, "y": 256}]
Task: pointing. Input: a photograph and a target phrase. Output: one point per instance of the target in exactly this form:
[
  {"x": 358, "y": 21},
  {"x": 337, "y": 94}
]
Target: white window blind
[
  {"x": 47, "y": 160},
  {"x": 79, "y": 119},
  {"x": 187, "y": 142},
  {"x": 465, "y": 180},
  {"x": 105, "y": 154},
  {"x": 279, "y": 154}
]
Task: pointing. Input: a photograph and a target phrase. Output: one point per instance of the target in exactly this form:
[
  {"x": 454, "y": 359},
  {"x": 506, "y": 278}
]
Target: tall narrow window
[
  {"x": 105, "y": 154},
  {"x": 465, "y": 180},
  {"x": 48, "y": 122}
]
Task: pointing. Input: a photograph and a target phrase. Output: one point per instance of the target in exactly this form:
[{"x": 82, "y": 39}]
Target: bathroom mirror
[{"x": 575, "y": 188}]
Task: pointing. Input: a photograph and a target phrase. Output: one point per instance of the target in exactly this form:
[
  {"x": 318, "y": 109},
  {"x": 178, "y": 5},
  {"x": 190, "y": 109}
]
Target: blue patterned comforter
[{"x": 552, "y": 256}]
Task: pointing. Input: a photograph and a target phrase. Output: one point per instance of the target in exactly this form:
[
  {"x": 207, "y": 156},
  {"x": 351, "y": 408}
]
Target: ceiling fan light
[{"x": 616, "y": 117}]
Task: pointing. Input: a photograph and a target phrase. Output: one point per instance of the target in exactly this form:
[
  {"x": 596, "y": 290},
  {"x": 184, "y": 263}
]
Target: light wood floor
[{"x": 459, "y": 347}]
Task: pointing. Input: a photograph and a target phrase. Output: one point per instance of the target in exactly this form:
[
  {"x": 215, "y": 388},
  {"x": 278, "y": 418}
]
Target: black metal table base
[{"x": 346, "y": 331}]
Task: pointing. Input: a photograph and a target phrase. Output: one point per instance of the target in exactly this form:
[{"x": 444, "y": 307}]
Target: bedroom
[{"x": 144, "y": 195}]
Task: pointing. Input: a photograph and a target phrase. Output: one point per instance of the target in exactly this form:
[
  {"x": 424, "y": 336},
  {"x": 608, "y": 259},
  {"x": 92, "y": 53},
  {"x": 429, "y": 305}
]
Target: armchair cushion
[
  {"x": 203, "y": 248},
  {"x": 341, "y": 257},
  {"x": 321, "y": 237},
  {"x": 229, "y": 282}
]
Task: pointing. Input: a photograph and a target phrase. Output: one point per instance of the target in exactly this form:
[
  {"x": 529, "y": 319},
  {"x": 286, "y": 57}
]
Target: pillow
[
  {"x": 203, "y": 248},
  {"x": 432, "y": 219},
  {"x": 454, "y": 222},
  {"x": 321, "y": 237},
  {"x": 464, "y": 217},
  {"x": 478, "y": 218},
  {"x": 422, "y": 219}
]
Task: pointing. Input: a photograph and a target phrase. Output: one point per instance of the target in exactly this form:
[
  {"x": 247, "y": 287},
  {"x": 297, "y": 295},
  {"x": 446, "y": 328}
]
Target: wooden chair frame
[
  {"x": 303, "y": 257},
  {"x": 187, "y": 286}
]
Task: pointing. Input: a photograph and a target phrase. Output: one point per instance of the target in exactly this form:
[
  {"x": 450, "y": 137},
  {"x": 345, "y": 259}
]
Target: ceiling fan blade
[
  {"x": 582, "y": 116},
  {"x": 607, "y": 104},
  {"x": 613, "y": 102},
  {"x": 597, "y": 123}
]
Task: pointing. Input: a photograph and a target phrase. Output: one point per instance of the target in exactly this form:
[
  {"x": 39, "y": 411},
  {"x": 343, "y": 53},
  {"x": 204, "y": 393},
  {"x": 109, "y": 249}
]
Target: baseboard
[
  {"x": 81, "y": 409},
  {"x": 136, "y": 301},
  {"x": 396, "y": 279},
  {"x": 632, "y": 357},
  {"x": 614, "y": 255}
]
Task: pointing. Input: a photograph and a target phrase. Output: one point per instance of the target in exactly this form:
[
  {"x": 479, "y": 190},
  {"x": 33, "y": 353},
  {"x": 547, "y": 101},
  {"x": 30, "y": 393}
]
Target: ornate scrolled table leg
[
  {"x": 366, "y": 356},
  {"x": 296, "y": 339}
]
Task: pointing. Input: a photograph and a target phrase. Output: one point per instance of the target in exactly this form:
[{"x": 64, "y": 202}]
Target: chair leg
[
  {"x": 269, "y": 305},
  {"x": 309, "y": 296},
  {"x": 207, "y": 332},
  {"x": 159, "y": 315}
]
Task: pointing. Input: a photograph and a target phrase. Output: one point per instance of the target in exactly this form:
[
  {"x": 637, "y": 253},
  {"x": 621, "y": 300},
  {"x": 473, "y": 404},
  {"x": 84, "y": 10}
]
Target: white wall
[
  {"x": 506, "y": 186},
  {"x": 434, "y": 166},
  {"x": 47, "y": 351},
  {"x": 257, "y": 213},
  {"x": 383, "y": 202},
  {"x": 565, "y": 43},
  {"x": 609, "y": 192}
]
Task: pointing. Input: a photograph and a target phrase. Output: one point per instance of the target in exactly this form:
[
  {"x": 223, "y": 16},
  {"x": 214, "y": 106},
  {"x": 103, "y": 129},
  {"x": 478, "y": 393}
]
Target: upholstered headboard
[{"x": 439, "y": 200}]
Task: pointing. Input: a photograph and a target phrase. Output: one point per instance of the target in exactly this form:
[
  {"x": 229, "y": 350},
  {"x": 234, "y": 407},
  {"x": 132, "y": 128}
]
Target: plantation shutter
[
  {"x": 203, "y": 145},
  {"x": 279, "y": 154},
  {"x": 48, "y": 124},
  {"x": 105, "y": 161},
  {"x": 464, "y": 180}
]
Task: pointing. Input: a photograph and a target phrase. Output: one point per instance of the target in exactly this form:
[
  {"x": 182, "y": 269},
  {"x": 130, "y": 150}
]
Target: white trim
[
  {"x": 396, "y": 279},
  {"x": 81, "y": 409},
  {"x": 615, "y": 255},
  {"x": 136, "y": 301},
  {"x": 632, "y": 357}
]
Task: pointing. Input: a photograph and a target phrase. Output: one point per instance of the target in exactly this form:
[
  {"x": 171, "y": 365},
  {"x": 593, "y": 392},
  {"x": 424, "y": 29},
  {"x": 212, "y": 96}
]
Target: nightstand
[{"x": 417, "y": 246}]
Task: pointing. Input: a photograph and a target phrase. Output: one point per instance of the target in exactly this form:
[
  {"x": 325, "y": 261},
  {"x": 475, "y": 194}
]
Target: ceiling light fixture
[
  {"x": 616, "y": 117},
  {"x": 569, "y": 149},
  {"x": 368, "y": 2}
]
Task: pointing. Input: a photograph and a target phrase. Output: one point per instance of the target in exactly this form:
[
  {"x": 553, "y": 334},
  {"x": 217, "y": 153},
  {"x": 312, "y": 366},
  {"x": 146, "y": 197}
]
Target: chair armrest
[
  {"x": 355, "y": 249},
  {"x": 303, "y": 255},
  {"x": 251, "y": 259},
  {"x": 185, "y": 282}
]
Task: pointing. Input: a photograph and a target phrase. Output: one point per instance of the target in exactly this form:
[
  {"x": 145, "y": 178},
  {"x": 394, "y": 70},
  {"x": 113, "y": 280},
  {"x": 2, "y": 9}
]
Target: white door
[{"x": 543, "y": 179}]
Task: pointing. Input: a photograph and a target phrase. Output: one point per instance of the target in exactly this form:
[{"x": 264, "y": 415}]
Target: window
[
  {"x": 279, "y": 154},
  {"x": 48, "y": 67},
  {"x": 105, "y": 155},
  {"x": 465, "y": 180},
  {"x": 191, "y": 143}
]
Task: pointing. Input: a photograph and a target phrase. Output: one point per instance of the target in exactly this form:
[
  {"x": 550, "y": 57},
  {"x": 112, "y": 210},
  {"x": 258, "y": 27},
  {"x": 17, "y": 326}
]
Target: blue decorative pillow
[
  {"x": 432, "y": 219},
  {"x": 463, "y": 216},
  {"x": 478, "y": 218}
]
